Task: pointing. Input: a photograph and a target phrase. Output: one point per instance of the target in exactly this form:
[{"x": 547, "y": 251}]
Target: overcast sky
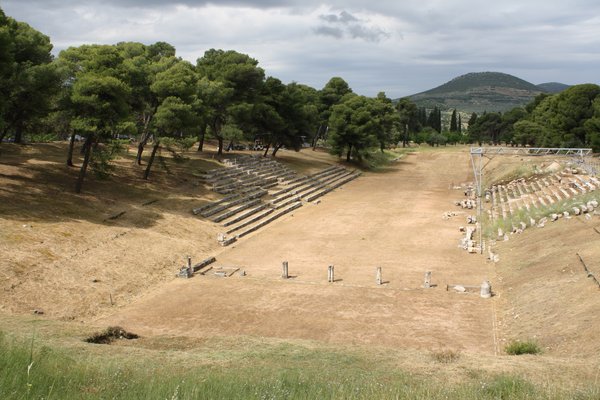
[{"x": 400, "y": 47}]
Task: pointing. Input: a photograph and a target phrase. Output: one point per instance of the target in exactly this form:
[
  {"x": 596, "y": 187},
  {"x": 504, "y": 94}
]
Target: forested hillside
[{"x": 479, "y": 92}]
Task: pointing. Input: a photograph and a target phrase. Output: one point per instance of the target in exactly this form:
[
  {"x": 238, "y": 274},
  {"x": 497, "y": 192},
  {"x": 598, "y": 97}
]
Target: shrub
[
  {"x": 445, "y": 356},
  {"x": 518, "y": 347},
  {"x": 43, "y": 138},
  {"x": 111, "y": 334},
  {"x": 102, "y": 157}
]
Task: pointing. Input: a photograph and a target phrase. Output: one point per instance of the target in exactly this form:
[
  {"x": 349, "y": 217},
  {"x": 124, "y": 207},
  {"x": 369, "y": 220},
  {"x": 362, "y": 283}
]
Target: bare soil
[
  {"x": 391, "y": 220},
  {"x": 62, "y": 255}
]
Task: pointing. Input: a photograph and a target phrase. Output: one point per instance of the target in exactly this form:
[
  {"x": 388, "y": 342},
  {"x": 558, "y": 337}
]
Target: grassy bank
[{"x": 32, "y": 370}]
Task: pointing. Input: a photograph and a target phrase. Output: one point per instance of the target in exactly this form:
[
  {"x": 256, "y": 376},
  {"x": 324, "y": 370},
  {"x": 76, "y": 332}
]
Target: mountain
[
  {"x": 552, "y": 87},
  {"x": 478, "y": 92}
]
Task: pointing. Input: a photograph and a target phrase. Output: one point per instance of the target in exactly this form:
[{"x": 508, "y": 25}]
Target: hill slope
[
  {"x": 552, "y": 87},
  {"x": 479, "y": 91}
]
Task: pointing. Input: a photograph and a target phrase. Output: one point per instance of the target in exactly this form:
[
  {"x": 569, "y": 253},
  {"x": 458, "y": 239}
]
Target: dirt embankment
[{"x": 64, "y": 255}]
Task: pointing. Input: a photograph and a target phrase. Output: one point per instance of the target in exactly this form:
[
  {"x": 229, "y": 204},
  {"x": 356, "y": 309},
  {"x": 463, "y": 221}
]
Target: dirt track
[{"x": 391, "y": 219}]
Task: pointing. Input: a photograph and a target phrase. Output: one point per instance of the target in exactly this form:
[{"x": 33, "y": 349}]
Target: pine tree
[
  {"x": 459, "y": 126},
  {"x": 434, "y": 119}
]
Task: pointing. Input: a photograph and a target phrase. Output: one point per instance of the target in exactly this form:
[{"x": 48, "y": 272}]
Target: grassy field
[
  {"x": 46, "y": 356},
  {"x": 32, "y": 368}
]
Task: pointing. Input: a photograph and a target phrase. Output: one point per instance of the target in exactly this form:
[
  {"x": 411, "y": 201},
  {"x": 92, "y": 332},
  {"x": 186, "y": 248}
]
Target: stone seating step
[
  {"x": 237, "y": 210},
  {"x": 252, "y": 220},
  {"x": 270, "y": 219},
  {"x": 243, "y": 216}
]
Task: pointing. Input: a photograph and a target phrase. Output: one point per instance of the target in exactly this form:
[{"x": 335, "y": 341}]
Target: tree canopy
[{"x": 145, "y": 92}]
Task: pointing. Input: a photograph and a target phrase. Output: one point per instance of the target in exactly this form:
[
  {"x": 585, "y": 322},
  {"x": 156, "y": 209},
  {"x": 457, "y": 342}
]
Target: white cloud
[{"x": 392, "y": 46}]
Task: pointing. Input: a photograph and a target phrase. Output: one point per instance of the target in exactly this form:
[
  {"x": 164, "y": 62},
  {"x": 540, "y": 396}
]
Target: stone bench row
[
  {"x": 293, "y": 184},
  {"x": 270, "y": 219},
  {"x": 341, "y": 182},
  {"x": 256, "y": 182},
  {"x": 310, "y": 181},
  {"x": 297, "y": 188},
  {"x": 528, "y": 204},
  {"x": 545, "y": 191},
  {"x": 323, "y": 184},
  {"x": 327, "y": 172},
  {"x": 224, "y": 206},
  {"x": 520, "y": 188},
  {"x": 316, "y": 175},
  {"x": 242, "y": 217},
  {"x": 292, "y": 203},
  {"x": 265, "y": 179},
  {"x": 241, "y": 174},
  {"x": 234, "y": 168},
  {"x": 237, "y": 210},
  {"x": 255, "y": 218},
  {"x": 225, "y": 199}
]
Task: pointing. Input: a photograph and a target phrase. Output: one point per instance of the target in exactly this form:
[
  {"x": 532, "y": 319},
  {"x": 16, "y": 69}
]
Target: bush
[
  {"x": 517, "y": 347},
  {"x": 43, "y": 138},
  {"x": 102, "y": 157},
  {"x": 445, "y": 356},
  {"x": 111, "y": 334}
]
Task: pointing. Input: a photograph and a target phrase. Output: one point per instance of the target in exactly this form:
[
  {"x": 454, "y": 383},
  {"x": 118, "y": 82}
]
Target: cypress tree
[{"x": 453, "y": 122}]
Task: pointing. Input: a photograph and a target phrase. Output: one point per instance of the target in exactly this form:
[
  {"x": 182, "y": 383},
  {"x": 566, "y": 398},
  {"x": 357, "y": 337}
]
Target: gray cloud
[
  {"x": 343, "y": 17},
  {"x": 370, "y": 34},
  {"x": 329, "y": 31},
  {"x": 345, "y": 24}
]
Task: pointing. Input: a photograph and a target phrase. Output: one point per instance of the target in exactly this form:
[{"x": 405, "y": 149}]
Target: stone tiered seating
[
  {"x": 270, "y": 219},
  {"x": 233, "y": 202},
  {"x": 245, "y": 181},
  {"x": 507, "y": 200},
  {"x": 252, "y": 220},
  {"x": 237, "y": 210},
  {"x": 242, "y": 217},
  {"x": 345, "y": 179}
]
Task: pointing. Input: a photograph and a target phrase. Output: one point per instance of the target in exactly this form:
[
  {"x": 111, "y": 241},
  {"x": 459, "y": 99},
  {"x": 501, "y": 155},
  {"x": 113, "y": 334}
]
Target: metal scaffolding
[{"x": 477, "y": 154}]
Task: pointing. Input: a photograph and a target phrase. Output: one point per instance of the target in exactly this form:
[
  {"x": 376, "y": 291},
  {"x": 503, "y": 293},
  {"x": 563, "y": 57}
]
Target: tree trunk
[
  {"x": 276, "y": 149},
  {"x": 143, "y": 141},
  {"x": 19, "y": 135},
  {"x": 220, "y": 150},
  {"x": 267, "y": 149},
  {"x": 146, "y": 135},
  {"x": 201, "y": 137},
  {"x": 154, "y": 149},
  {"x": 348, "y": 153},
  {"x": 316, "y": 138},
  {"x": 87, "y": 149},
  {"x": 3, "y": 134},
  {"x": 70, "y": 153}
]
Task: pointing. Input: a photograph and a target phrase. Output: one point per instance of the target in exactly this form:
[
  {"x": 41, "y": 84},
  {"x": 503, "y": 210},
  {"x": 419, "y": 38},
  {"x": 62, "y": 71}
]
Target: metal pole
[{"x": 478, "y": 174}]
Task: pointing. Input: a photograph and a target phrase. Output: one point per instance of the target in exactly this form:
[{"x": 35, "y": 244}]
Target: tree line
[
  {"x": 570, "y": 118},
  {"x": 100, "y": 94}
]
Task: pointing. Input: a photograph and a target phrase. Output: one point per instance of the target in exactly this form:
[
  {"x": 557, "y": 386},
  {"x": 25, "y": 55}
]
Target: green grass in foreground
[{"x": 31, "y": 371}]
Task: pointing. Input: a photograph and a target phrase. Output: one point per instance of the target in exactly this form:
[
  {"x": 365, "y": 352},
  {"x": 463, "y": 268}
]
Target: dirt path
[{"x": 391, "y": 219}]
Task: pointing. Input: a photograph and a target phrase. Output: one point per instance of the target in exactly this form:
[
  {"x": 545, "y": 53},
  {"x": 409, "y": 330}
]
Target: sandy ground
[
  {"x": 391, "y": 219},
  {"x": 61, "y": 254}
]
